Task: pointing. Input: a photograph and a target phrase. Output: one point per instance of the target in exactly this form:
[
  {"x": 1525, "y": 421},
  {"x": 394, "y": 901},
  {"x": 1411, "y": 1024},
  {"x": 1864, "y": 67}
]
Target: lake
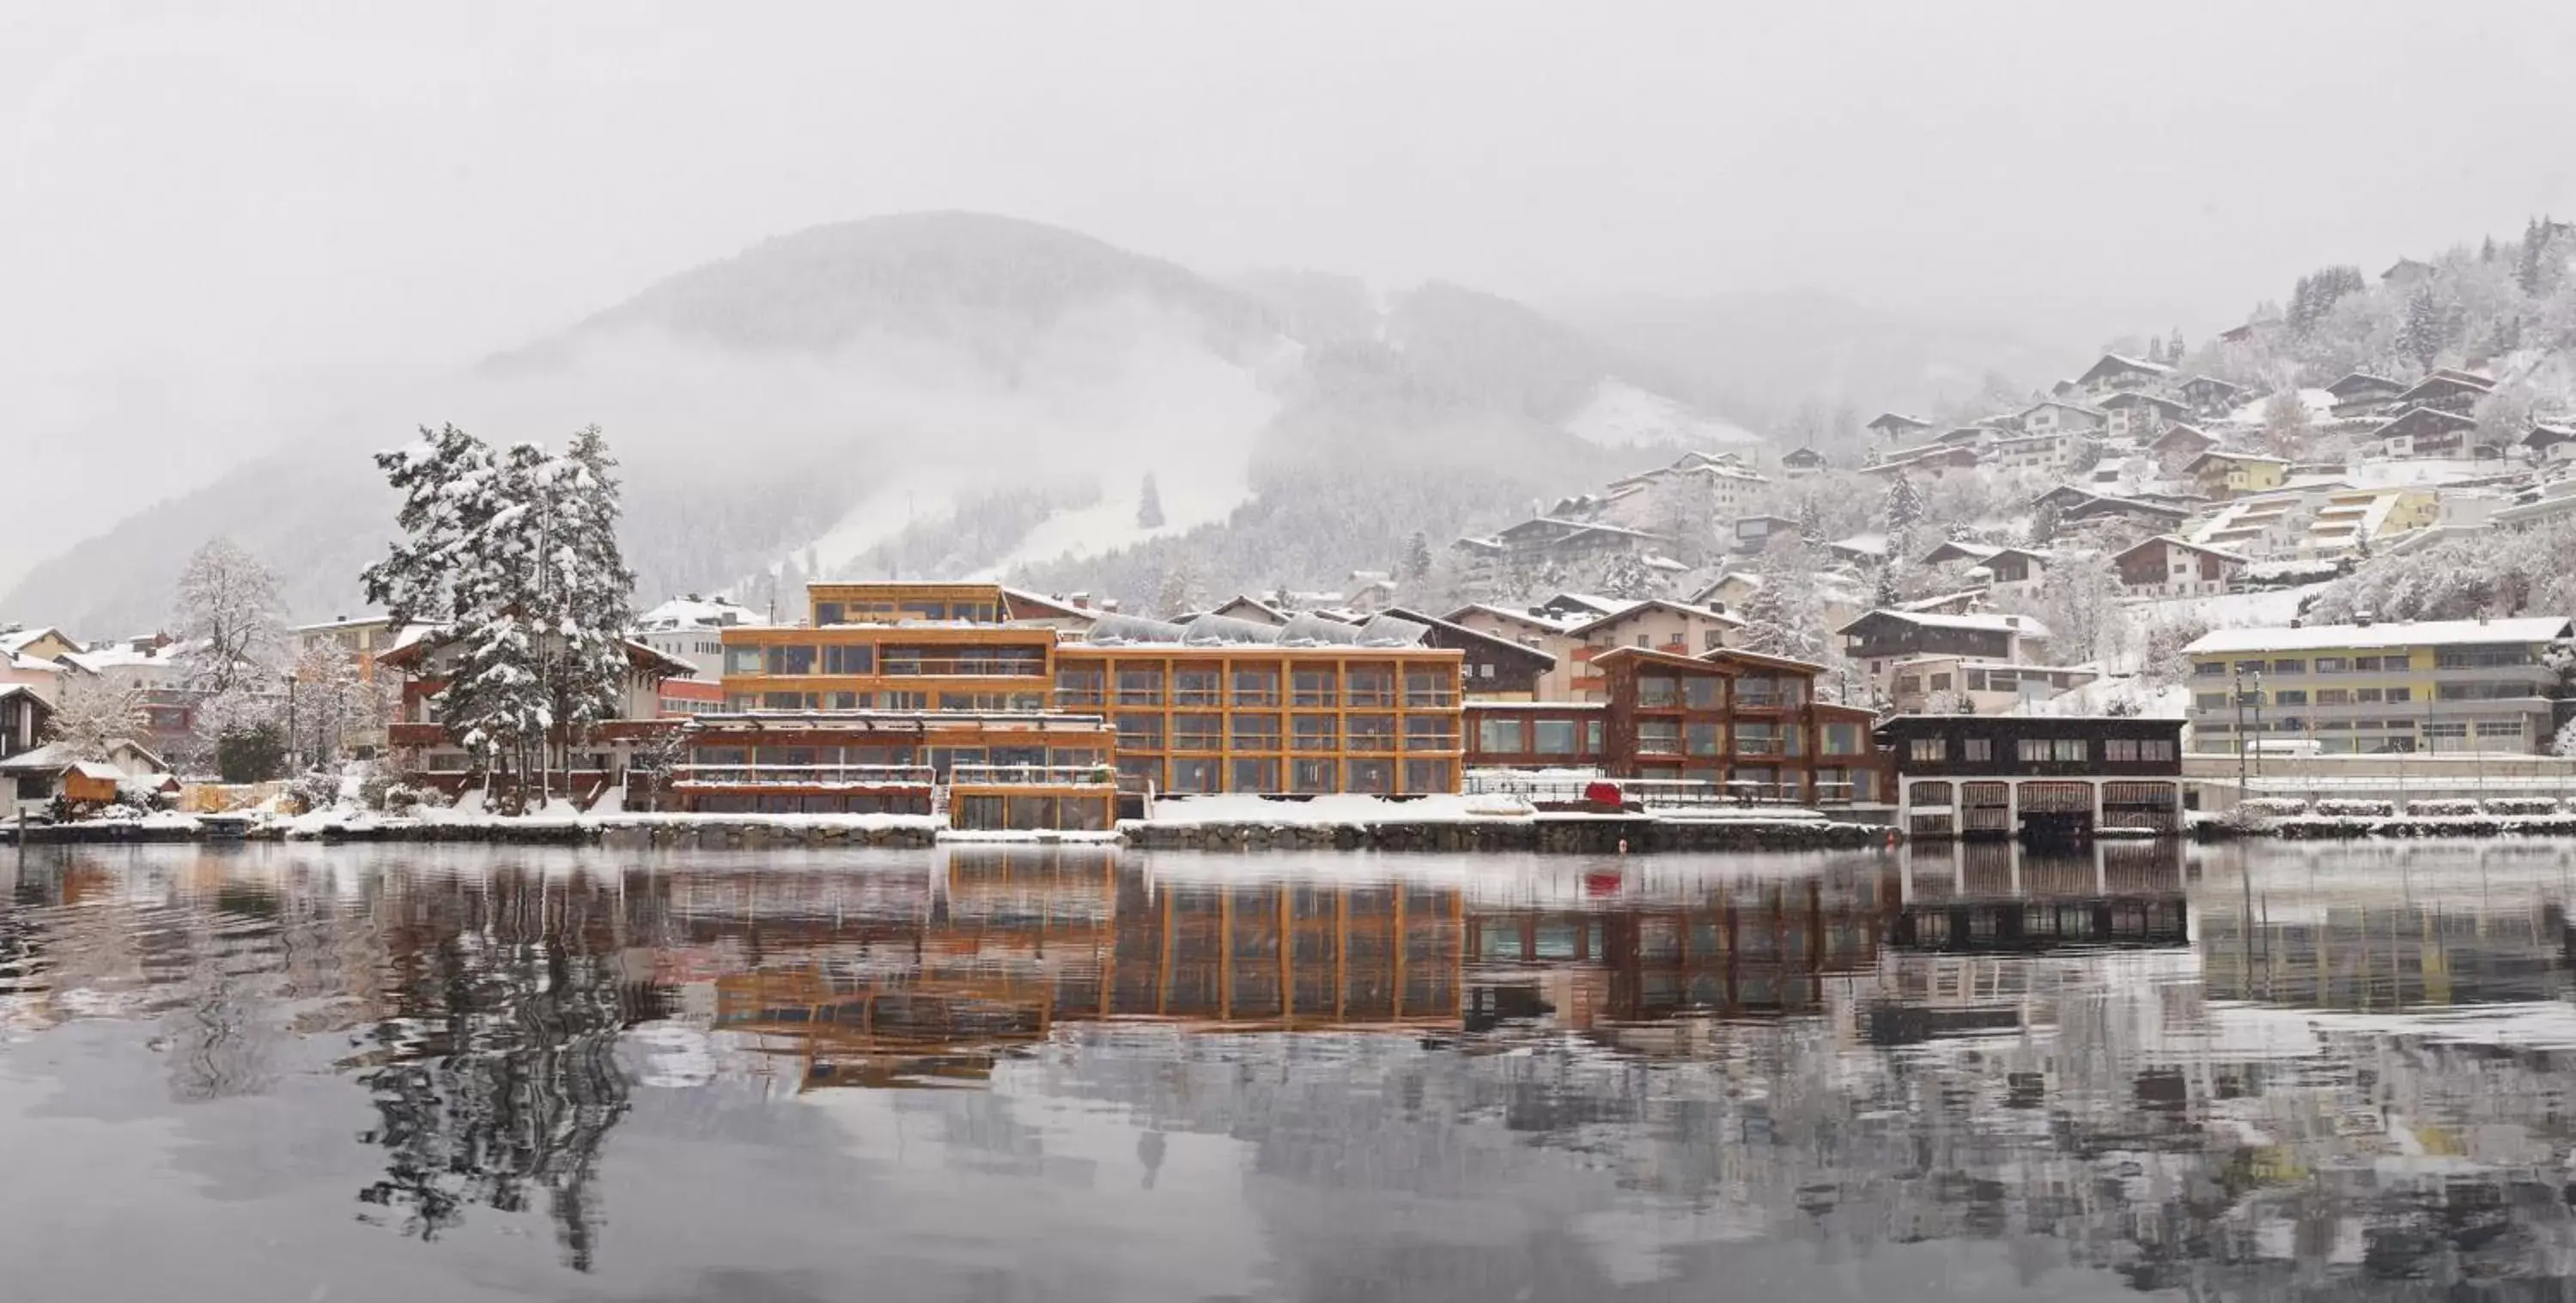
[{"x": 2254, "y": 1071}]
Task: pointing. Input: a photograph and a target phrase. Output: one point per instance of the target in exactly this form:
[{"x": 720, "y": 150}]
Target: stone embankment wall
[{"x": 1560, "y": 836}]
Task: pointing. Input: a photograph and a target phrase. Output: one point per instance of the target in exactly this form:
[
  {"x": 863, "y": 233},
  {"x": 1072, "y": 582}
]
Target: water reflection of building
[
  {"x": 2441, "y": 925},
  {"x": 2000, "y": 898}
]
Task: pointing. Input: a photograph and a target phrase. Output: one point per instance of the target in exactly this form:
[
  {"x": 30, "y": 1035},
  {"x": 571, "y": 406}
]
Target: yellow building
[
  {"x": 2377, "y": 688},
  {"x": 2235, "y": 474},
  {"x": 2375, "y": 515}
]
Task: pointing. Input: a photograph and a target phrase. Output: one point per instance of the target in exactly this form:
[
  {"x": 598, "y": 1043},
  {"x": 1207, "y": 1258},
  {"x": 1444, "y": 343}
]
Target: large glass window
[
  {"x": 1430, "y": 733},
  {"x": 827, "y": 613},
  {"x": 1256, "y": 732},
  {"x": 1140, "y": 685},
  {"x": 1429, "y": 688},
  {"x": 743, "y": 660},
  {"x": 791, "y": 660},
  {"x": 1140, "y": 733},
  {"x": 1704, "y": 692},
  {"x": 1757, "y": 738},
  {"x": 1503, "y": 736},
  {"x": 1371, "y": 732},
  {"x": 1702, "y": 739},
  {"x": 1198, "y": 732},
  {"x": 1659, "y": 737},
  {"x": 1658, "y": 691},
  {"x": 1843, "y": 738},
  {"x": 1195, "y": 773},
  {"x": 1313, "y": 733},
  {"x": 1197, "y": 686},
  {"x": 849, "y": 658},
  {"x": 1552, "y": 737},
  {"x": 1371, "y": 776},
  {"x": 1311, "y": 775},
  {"x": 1369, "y": 685},
  {"x": 1255, "y": 774},
  {"x": 1079, "y": 687},
  {"x": 1256, "y": 687},
  {"x": 1927, "y": 750},
  {"x": 1430, "y": 776},
  {"x": 1314, "y": 687}
]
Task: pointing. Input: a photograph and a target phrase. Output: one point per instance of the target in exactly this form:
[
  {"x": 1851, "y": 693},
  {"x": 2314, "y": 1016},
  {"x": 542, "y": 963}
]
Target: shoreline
[{"x": 1587, "y": 834}]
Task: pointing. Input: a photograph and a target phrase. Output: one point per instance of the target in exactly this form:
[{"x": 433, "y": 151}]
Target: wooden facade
[{"x": 2048, "y": 777}]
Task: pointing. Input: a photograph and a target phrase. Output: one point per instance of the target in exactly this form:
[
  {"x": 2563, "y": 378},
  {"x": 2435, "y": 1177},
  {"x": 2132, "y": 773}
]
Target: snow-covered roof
[
  {"x": 96, "y": 769},
  {"x": 2356, "y": 381},
  {"x": 2169, "y": 540},
  {"x": 1651, "y": 605},
  {"x": 18, "y": 640},
  {"x": 1984, "y": 622},
  {"x": 1536, "y": 620},
  {"x": 2383, "y": 633},
  {"x": 2221, "y": 454},
  {"x": 54, "y": 757},
  {"x": 1866, "y": 544},
  {"x": 2116, "y": 363},
  {"x": 695, "y": 612},
  {"x": 2133, "y": 398},
  {"x": 2059, "y": 402},
  {"x": 1897, "y": 420}
]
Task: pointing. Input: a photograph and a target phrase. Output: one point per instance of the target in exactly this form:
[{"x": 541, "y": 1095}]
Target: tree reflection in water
[{"x": 495, "y": 1078}]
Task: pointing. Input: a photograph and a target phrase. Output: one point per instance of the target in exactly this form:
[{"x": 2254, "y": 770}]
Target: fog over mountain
[{"x": 1328, "y": 271}]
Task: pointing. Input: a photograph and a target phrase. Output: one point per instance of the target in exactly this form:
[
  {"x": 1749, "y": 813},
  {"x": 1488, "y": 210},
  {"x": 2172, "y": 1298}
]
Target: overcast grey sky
[{"x": 221, "y": 190}]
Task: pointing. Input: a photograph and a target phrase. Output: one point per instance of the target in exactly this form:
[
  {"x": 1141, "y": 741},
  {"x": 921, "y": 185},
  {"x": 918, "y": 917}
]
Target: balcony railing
[
  {"x": 1101, "y": 776},
  {"x": 803, "y": 775},
  {"x": 960, "y": 667},
  {"x": 1429, "y": 698},
  {"x": 1430, "y": 741}
]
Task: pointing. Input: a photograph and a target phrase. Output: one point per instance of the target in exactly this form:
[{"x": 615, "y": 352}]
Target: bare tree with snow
[
  {"x": 96, "y": 713},
  {"x": 230, "y": 610}
]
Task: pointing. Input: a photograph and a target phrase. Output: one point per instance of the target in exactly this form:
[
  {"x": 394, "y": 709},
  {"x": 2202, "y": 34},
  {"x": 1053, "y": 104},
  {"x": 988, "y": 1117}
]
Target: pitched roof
[
  {"x": 2447, "y": 383},
  {"x": 2410, "y": 421},
  {"x": 2213, "y": 382},
  {"x": 2223, "y": 455},
  {"x": 1531, "y": 618},
  {"x": 1897, "y": 421},
  {"x": 1650, "y": 605},
  {"x": 2384, "y": 633},
  {"x": 2059, "y": 402},
  {"x": 1543, "y": 660},
  {"x": 2356, "y": 381},
  {"x": 2168, "y": 540},
  {"x": 2133, "y": 398},
  {"x": 18, "y": 640},
  {"x": 2023, "y": 625},
  {"x": 2112, "y": 364},
  {"x": 2544, "y": 434}
]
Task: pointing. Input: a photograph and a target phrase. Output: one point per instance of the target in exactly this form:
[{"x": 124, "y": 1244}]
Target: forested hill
[{"x": 958, "y": 392}]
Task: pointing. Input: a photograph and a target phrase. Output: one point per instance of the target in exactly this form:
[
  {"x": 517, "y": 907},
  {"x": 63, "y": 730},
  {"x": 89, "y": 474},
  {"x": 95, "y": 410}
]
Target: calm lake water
[{"x": 386, "y": 1073}]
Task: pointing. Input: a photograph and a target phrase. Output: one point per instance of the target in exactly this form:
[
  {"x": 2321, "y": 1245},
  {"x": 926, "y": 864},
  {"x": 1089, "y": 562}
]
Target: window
[
  {"x": 2473, "y": 658},
  {"x": 2290, "y": 697},
  {"x": 1317, "y": 687},
  {"x": 742, "y": 660},
  {"x": 1079, "y": 687},
  {"x": 2290, "y": 667},
  {"x": 783, "y": 701},
  {"x": 1484, "y": 669},
  {"x": 2445, "y": 729},
  {"x": 1430, "y": 733},
  {"x": 1256, "y": 732},
  {"x": 1371, "y": 732},
  {"x": 2371, "y": 664},
  {"x": 1658, "y": 691},
  {"x": 1430, "y": 776},
  {"x": 1703, "y": 692},
  {"x": 1641, "y": 640},
  {"x": 2333, "y": 665},
  {"x": 2031, "y": 750},
  {"x": 1979, "y": 749},
  {"x": 2334, "y": 696},
  {"x": 2499, "y": 728},
  {"x": 1313, "y": 733},
  {"x": 1659, "y": 737},
  {"x": 1256, "y": 687},
  {"x": 2209, "y": 669},
  {"x": 2127, "y": 750},
  {"x": 1843, "y": 739},
  {"x": 1368, "y": 776},
  {"x": 1940, "y": 683},
  {"x": 2365, "y": 694},
  {"x": 1713, "y": 639},
  {"x": 1370, "y": 685},
  {"x": 1702, "y": 739},
  {"x": 2067, "y": 750},
  {"x": 1311, "y": 775},
  {"x": 1197, "y": 687},
  {"x": 1198, "y": 732},
  {"x": 2209, "y": 701},
  {"x": 1428, "y": 688},
  {"x": 2249, "y": 667},
  {"x": 1552, "y": 737},
  {"x": 839, "y": 658},
  {"x": 905, "y": 700},
  {"x": 1140, "y": 732},
  {"x": 1195, "y": 774},
  {"x": 2401, "y": 694},
  {"x": 1255, "y": 775},
  {"x": 1141, "y": 686},
  {"x": 791, "y": 660},
  {"x": 1927, "y": 750},
  {"x": 1592, "y": 736},
  {"x": 2484, "y": 691},
  {"x": 1501, "y": 736}
]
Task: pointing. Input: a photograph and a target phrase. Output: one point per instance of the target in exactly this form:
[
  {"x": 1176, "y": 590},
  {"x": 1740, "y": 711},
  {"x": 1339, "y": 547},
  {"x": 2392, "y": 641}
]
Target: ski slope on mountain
[{"x": 1621, "y": 415}]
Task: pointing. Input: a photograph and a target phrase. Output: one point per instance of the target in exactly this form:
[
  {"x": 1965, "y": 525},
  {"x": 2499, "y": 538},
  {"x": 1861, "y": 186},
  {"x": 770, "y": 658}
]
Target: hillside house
[
  {"x": 1548, "y": 635},
  {"x": 2380, "y": 687},
  {"x": 2003, "y": 569},
  {"x": 2103, "y": 508},
  {"x": 1545, "y": 540},
  {"x": 2550, "y": 443},
  {"x": 2424, "y": 432},
  {"x": 2048, "y": 777},
  {"x": 1859, "y": 549},
  {"x": 2360, "y": 393},
  {"x": 2553, "y": 500},
  {"x": 2262, "y": 525},
  {"x": 2224, "y": 475},
  {"x": 1496, "y": 667},
  {"x": 2132, "y": 414},
  {"x": 2351, "y": 519},
  {"x": 2115, "y": 372},
  {"x": 38, "y": 644},
  {"x": 1931, "y": 462},
  {"x": 1070, "y": 612},
  {"x": 1966, "y": 685},
  {"x": 2059, "y": 417},
  {"x": 1896, "y": 427},
  {"x": 2406, "y": 271},
  {"x": 153, "y": 664},
  {"x": 1877, "y": 641},
  {"x": 1675, "y": 628},
  {"x": 2445, "y": 391},
  {"x": 2177, "y": 445},
  {"x": 1752, "y": 534},
  {"x": 2167, "y": 566},
  {"x": 1801, "y": 463},
  {"x": 1244, "y": 606},
  {"x": 2210, "y": 397},
  {"x": 1970, "y": 436},
  {"x": 422, "y": 747},
  {"x": 2045, "y": 453},
  {"x": 23, "y": 716},
  {"x": 32, "y": 779}
]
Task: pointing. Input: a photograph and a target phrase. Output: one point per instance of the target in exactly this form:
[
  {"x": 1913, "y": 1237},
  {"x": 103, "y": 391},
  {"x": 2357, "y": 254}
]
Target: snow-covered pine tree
[
  {"x": 1811, "y": 521},
  {"x": 1903, "y": 507},
  {"x": 591, "y": 590},
  {"x": 443, "y": 480},
  {"x": 1629, "y": 578},
  {"x": 1149, "y": 505},
  {"x": 2422, "y": 336},
  {"x": 1417, "y": 558},
  {"x": 1179, "y": 594},
  {"x": 2174, "y": 347}
]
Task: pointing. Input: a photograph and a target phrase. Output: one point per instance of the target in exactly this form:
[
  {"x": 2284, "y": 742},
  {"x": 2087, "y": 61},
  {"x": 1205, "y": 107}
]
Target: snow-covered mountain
[{"x": 954, "y": 393}]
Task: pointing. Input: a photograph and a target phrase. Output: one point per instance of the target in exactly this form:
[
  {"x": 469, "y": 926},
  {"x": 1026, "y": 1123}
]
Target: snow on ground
[
  {"x": 2403, "y": 472},
  {"x": 1335, "y": 811},
  {"x": 2125, "y": 694},
  {"x": 2268, "y": 609},
  {"x": 1621, "y": 415},
  {"x": 2320, "y": 408}
]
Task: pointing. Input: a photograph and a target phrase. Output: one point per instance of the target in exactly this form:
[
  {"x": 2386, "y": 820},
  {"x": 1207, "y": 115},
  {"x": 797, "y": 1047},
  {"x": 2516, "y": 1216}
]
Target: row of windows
[
  {"x": 1664, "y": 737},
  {"x": 973, "y": 612},
  {"x": 2432, "y": 728},
  {"x": 984, "y": 701},
  {"x": 1197, "y": 774},
  {"x": 1708, "y": 692},
  {"x": 1262, "y": 732},
  {"x": 2039, "y": 750},
  {"x": 2300, "y": 665},
  {"x": 864, "y": 658},
  {"x": 1318, "y": 688},
  {"x": 2301, "y": 697},
  {"x": 1544, "y": 737}
]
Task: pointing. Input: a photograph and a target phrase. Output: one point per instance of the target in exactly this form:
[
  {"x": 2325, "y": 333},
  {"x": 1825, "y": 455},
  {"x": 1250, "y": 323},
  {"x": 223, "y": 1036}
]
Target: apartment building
[
  {"x": 2359, "y": 518},
  {"x": 2039, "y": 776},
  {"x": 2379, "y": 687},
  {"x": 1316, "y": 705}
]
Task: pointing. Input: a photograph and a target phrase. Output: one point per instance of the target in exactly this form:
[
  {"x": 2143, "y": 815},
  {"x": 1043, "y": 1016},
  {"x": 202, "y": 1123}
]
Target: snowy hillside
[{"x": 1621, "y": 415}]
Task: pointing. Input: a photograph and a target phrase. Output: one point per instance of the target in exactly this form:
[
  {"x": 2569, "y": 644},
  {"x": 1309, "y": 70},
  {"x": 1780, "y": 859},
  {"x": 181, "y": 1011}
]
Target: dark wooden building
[
  {"x": 2040, "y": 776},
  {"x": 1495, "y": 666}
]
